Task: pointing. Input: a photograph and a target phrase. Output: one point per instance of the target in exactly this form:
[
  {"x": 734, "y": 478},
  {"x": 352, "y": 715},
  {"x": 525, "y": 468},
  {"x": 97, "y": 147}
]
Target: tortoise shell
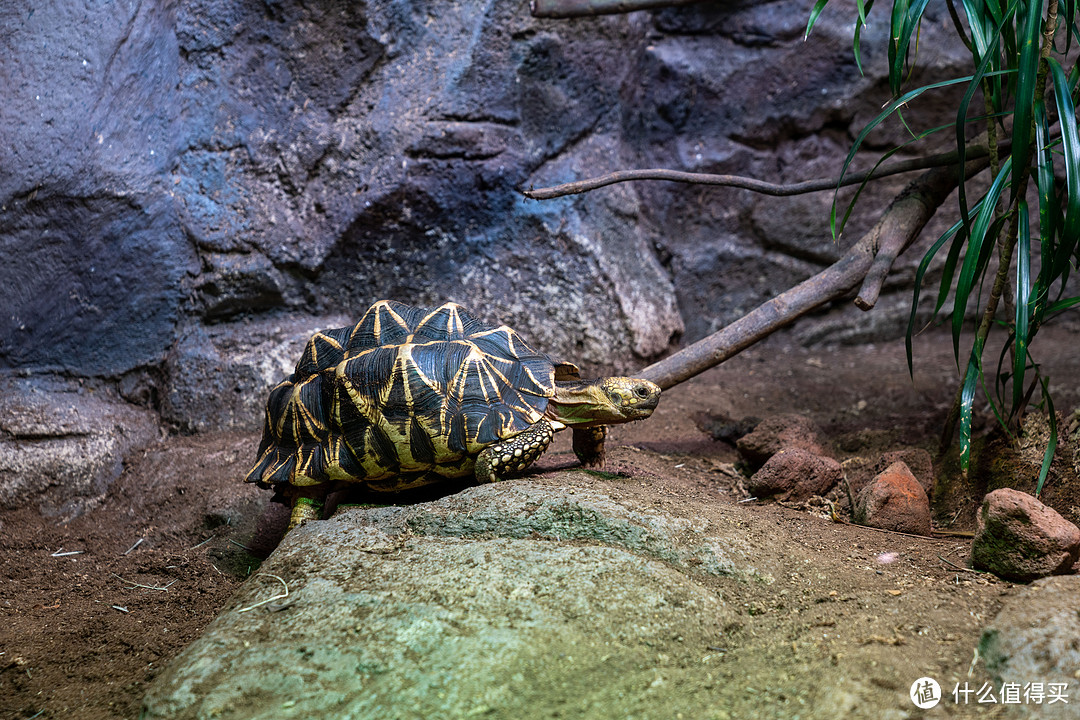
[{"x": 405, "y": 397}]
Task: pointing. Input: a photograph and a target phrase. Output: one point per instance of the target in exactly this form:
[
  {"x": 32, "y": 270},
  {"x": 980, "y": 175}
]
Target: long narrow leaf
[
  {"x": 906, "y": 19},
  {"x": 861, "y": 137},
  {"x": 1049, "y": 219},
  {"x": 814, "y": 13},
  {"x": 961, "y": 136},
  {"x": 1051, "y": 446},
  {"x": 979, "y": 245},
  {"x": 919, "y": 273},
  {"x": 1027, "y": 70},
  {"x": 967, "y": 401},
  {"x": 1070, "y": 146},
  {"x": 1021, "y": 327}
]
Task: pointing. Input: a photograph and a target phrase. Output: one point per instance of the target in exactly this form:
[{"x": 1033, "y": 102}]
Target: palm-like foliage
[{"x": 1017, "y": 50}]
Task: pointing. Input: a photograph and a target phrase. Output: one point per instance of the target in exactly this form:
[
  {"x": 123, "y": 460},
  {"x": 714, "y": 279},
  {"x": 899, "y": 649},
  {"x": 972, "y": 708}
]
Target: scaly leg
[
  {"x": 307, "y": 504},
  {"x": 589, "y": 445},
  {"x": 503, "y": 459}
]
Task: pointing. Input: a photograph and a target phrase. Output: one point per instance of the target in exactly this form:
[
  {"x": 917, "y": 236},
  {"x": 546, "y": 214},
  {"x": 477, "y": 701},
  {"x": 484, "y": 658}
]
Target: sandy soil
[{"x": 94, "y": 608}]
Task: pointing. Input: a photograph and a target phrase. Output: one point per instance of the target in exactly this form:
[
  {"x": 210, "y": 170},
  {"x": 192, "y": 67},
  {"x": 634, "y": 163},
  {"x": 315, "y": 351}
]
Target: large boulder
[
  {"x": 1033, "y": 645},
  {"x": 523, "y": 602},
  {"x": 173, "y": 165}
]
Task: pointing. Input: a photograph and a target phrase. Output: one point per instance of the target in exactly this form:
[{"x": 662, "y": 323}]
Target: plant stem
[{"x": 1007, "y": 241}]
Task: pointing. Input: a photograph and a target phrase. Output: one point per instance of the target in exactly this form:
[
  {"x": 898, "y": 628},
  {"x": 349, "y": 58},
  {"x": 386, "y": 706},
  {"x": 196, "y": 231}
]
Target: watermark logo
[{"x": 925, "y": 693}]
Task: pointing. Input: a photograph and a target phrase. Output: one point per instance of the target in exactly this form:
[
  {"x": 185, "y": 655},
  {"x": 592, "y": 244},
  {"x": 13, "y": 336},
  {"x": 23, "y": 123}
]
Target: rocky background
[{"x": 190, "y": 189}]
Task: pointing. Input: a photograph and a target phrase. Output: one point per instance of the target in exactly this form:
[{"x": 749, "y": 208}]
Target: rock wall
[{"x": 182, "y": 177}]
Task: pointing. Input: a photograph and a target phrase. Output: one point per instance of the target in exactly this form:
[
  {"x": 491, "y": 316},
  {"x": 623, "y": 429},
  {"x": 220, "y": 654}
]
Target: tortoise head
[{"x": 606, "y": 401}]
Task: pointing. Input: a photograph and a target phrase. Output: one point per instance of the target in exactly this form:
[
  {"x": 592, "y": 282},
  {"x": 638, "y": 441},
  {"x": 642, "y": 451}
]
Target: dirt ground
[{"x": 94, "y": 608}]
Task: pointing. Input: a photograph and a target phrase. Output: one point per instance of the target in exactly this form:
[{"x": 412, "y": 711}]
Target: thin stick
[
  {"x": 137, "y": 544},
  {"x": 958, "y": 567},
  {"x": 202, "y": 543},
  {"x": 974, "y": 152},
  {"x": 578, "y": 8},
  {"x": 61, "y": 553},
  {"x": 269, "y": 599},
  {"x": 134, "y": 585}
]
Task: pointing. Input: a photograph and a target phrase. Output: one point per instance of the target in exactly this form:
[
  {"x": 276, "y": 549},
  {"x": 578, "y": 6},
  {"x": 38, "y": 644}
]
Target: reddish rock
[
  {"x": 919, "y": 462},
  {"x": 1019, "y": 538},
  {"x": 894, "y": 500},
  {"x": 795, "y": 474},
  {"x": 777, "y": 433}
]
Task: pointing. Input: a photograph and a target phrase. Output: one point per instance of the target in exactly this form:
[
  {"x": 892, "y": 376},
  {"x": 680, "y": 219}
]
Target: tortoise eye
[{"x": 641, "y": 391}]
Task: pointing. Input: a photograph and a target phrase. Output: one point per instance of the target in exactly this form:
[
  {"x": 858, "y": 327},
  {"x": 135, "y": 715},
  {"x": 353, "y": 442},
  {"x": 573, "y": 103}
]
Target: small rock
[
  {"x": 726, "y": 429},
  {"x": 1019, "y": 538},
  {"x": 777, "y": 433},
  {"x": 918, "y": 461},
  {"x": 796, "y": 475},
  {"x": 894, "y": 500}
]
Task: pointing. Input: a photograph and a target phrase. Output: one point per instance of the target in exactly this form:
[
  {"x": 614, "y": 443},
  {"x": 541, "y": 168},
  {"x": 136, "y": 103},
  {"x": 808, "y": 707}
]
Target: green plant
[{"x": 1017, "y": 49}]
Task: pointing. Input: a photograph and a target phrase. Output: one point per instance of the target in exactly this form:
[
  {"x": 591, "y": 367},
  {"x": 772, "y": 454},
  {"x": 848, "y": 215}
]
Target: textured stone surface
[
  {"x": 396, "y": 626},
  {"x": 794, "y": 474},
  {"x": 1019, "y": 538},
  {"x": 523, "y": 509},
  {"x": 1034, "y": 639},
  {"x": 777, "y": 433},
  {"x": 894, "y": 500},
  {"x": 218, "y": 377},
  {"x": 61, "y": 445},
  {"x": 170, "y": 165}
]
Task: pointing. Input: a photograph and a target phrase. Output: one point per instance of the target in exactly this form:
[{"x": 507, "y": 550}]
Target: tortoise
[{"x": 411, "y": 396}]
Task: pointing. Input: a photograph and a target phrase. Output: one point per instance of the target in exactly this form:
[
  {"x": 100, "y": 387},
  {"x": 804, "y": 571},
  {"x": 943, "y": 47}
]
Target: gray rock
[
  {"x": 1034, "y": 639},
  {"x": 1019, "y": 538},
  {"x": 409, "y": 627},
  {"x": 61, "y": 446}
]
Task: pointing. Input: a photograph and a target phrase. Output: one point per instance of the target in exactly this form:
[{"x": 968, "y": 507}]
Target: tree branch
[
  {"x": 897, "y": 228},
  {"x": 586, "y": 8},
  {"x": 975, "y": 151}
]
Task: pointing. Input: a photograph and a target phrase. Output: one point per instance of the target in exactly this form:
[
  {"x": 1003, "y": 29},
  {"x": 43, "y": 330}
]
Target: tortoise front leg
[
  {"x": 503, "y": 459},
  {"x": 589, "y": 445}
]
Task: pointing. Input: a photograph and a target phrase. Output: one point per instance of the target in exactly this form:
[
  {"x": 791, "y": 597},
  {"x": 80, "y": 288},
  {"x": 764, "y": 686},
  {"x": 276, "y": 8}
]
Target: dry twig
[
  {"x": 586, "y": 8},
  {"x": 134, "y": 585},
  {"x": 975, "y": 152},
  {"x": 269, "y": 599}
]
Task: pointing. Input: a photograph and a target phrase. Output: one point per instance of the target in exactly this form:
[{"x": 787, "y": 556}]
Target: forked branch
[{"x": 867, "y": 261}]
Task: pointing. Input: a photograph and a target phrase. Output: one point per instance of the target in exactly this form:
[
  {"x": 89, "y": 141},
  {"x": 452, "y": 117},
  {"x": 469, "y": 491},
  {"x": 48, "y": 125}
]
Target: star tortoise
[{"x": 411, "y": 396}]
